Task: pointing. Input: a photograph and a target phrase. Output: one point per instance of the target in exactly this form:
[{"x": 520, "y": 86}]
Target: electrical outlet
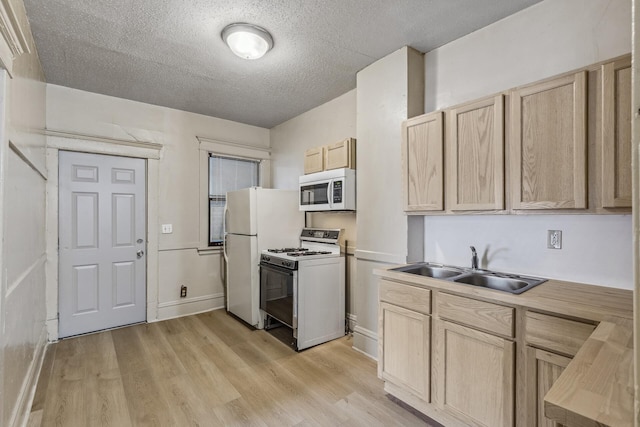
[
  {"x": 554, "y": 239},
  {"x": 183, "y": 291},
  {"x": 167, "y": 228}
]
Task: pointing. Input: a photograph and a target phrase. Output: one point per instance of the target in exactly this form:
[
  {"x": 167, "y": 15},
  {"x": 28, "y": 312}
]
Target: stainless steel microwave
[{"x": 332, "y": 190}]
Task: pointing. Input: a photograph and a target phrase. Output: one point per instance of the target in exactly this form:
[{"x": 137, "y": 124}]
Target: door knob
[{"x": 140, "y": 253}]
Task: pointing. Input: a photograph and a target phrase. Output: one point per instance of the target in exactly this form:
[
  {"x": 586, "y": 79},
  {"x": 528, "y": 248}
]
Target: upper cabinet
[
  {"x": 340, "y": 155},
  {"x": 549, "y": 144},
  {"x": 423, "y": 163},
  {"x": 616, "y": 134},
  {"x": 314, "y": 160},
  {"x": 562, "y": 144},
  {"x": 475, "y": 165}
]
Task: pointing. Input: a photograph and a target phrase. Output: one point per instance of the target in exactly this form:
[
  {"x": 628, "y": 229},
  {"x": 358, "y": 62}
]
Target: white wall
[
  {"x": 388, "y": 92},
  {"x": 182, "y": 183},
  {"x": 328, "y": 123},
  {"x": 549, "y": 38},
  {"x": 22, "y": 213}
]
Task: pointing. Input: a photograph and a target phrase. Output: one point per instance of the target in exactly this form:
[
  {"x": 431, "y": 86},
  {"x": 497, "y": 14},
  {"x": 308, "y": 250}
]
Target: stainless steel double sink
[{"x": 505, "y": 282}]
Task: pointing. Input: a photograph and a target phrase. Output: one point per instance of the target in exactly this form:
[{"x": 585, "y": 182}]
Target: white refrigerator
[{"x": 256, "y": 219}]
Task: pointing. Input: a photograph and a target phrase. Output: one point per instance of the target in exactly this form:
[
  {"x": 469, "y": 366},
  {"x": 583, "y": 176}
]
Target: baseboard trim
[
  {"x": 22, "y": 409},
  {"x": 186, "y": 307},
  {"x": 365, "y": 341}
]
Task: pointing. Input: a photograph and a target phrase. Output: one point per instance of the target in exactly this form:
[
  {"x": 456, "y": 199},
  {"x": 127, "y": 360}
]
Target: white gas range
[{"x": 304, "y": 288}]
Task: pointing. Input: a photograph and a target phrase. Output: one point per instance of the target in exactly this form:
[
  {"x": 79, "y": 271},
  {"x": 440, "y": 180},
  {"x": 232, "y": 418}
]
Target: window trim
[
  {"x": 226, "y": 149},
  {"x": 210, "y": 197}
]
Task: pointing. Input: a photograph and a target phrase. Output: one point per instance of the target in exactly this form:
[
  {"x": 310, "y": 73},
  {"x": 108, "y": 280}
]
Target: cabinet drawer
[
  {"x": 477, "y": 314},
  {"x": 407, "y": 296},
  {"x": 556, "y": 334}
]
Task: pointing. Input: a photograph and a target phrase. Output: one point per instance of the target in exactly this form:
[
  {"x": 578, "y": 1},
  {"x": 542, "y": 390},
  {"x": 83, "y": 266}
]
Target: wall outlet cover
[
  {"x": 167, "y": 228},
  {"x": 554, "y": 239}
]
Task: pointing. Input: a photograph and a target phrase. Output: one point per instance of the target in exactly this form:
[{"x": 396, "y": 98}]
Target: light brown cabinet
[
  {"x": 475, "y": 153},
  {"x": 543, "y": 369},
  {"x": 340, "y": 155},
  {"x": 314, "y": 160},
  {"x": 549, "y": 144},
  {"x": 473, "y": 375},
  {"x": 616, "y": 134},
  {"x": 551, "y": 342},
  {"x": 404, "y": 354},
  {"x": 423, "y": 163}
]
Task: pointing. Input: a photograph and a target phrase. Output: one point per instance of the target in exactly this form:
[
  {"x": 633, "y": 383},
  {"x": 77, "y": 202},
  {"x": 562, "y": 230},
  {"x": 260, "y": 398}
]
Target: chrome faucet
[{"x": 474, "y": 258}]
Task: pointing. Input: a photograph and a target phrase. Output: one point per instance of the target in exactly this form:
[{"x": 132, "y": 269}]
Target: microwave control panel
[{"x": 337, "y": 191}]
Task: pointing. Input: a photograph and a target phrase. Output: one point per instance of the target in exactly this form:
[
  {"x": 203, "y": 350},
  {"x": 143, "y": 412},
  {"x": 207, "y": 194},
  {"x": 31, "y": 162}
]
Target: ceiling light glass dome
[{"x": 247, "y": 41}]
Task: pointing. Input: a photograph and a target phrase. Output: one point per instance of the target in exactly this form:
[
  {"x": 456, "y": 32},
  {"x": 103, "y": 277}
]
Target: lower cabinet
[
  {"x": 473, "y": 375},
  {"x": 404, "y": 353},
  {"x": 543, "y": 369}
]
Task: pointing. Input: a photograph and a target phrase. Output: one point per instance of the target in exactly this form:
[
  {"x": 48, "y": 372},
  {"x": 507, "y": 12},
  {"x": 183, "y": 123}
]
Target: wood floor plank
[
  {"x": 206, "y": 378},
  {"x": 193, "y": 409},
  {"x": 155, "y": 343},
  {"x": 147, "y": 405},
  {"x": 210, "y": 370},
  {"x": 104, "y": 402}
]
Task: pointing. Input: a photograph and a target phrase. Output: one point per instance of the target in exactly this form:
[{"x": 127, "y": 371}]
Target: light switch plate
[
  {"x": 167, "y": 228},
  {"x": 554, "y": 239}
]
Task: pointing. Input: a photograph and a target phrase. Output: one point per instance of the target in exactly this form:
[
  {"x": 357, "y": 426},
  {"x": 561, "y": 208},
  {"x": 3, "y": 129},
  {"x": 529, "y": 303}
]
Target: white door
[
  {"x": 243, "y": 280},
  {"x": 102, "y": 230}
]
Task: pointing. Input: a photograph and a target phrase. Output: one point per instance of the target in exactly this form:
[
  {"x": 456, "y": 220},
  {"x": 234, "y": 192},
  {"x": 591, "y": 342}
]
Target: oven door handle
[
  {"x": 279, "y": 269},
  {"x": 294, "y": 321}
]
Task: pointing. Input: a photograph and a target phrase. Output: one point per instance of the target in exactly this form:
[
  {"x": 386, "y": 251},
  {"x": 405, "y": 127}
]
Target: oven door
[
  {"x": 316, "y": 196},
  {"x": 278, "y": 289}
]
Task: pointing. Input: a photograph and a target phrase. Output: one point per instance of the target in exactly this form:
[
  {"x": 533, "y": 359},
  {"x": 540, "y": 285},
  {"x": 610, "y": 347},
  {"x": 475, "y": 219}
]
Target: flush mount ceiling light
[{"x": 246, "y": 40}]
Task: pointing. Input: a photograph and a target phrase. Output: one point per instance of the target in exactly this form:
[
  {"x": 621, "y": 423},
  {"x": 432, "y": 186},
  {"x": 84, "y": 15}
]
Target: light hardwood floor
[{"x": 208, "y": 370}]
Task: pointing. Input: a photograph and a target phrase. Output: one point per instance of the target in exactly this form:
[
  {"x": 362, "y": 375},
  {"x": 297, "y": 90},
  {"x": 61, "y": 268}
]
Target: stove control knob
[
  {"x": 287, "y": 263},
  {"x": 266, "y": 258}
]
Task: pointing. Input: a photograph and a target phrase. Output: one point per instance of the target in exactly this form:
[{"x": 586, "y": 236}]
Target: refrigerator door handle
[{"x": 224, "y": 233}]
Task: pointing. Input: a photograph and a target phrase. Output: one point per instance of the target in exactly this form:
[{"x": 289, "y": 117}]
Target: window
[{"x": 227, "y": 174}]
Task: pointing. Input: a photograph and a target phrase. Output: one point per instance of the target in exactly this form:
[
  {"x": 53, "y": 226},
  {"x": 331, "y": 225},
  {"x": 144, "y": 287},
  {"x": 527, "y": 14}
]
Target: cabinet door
[
  {"x": 549, "y": 144},
  {"x": 475, "y": 166},
  {"x": 340, "y": 155},
  {"x": 473, "y": 375},
  {"x": 314, "y": 160},
  {"x": 616, "y": 134},
  {"x": 423, "y": 163},
  {"x": 404, "y": 349},
  {"x": 543, "y": 369}
]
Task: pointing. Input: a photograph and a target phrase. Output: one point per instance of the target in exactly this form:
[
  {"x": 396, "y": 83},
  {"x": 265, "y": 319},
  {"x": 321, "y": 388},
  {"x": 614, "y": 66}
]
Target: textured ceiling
[{"x": 169, "y": 52}]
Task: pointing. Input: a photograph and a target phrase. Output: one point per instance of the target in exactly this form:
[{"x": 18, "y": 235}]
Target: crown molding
[{"x": 13, "y": 42}]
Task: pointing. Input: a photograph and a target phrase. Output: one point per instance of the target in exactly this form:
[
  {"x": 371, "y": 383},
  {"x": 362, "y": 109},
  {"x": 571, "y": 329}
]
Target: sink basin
[
  {"x": 514, "y": 284},
  {"x": 511, "y": 283},
  {"x": 427, "y": 270}
]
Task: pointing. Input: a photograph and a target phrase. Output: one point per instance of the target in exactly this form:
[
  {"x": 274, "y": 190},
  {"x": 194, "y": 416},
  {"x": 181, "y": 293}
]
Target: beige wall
[
  {"x": 549, "y": 38},
  {"x": 325, "y": 124},
  {"x": 389, "y": 91},
  {"x": 22, "y": 212},
  {"x": 181, "y": 191}
]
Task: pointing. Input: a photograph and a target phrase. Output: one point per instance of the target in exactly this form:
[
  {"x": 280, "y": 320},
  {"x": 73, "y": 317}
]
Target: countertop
[
  {"x": 571, "y": 299},
  {"x": 596, "y": 388}
]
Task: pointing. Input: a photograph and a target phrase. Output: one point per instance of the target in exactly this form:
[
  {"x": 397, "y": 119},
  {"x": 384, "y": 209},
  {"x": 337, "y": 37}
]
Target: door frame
[{"x": 148, "y": 151}]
